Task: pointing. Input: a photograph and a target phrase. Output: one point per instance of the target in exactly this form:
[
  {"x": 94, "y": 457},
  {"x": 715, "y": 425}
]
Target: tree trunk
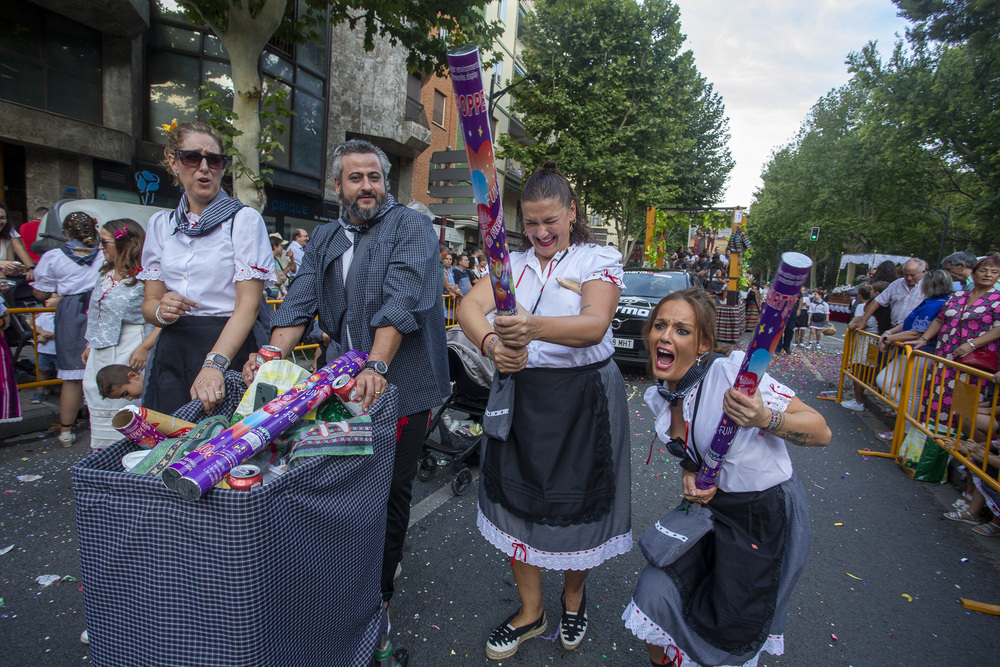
[{"x": 244, "y": 39}]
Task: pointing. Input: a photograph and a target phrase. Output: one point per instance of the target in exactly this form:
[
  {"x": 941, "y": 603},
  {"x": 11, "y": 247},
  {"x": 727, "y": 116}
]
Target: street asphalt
[{"x": 882, "y": 585}]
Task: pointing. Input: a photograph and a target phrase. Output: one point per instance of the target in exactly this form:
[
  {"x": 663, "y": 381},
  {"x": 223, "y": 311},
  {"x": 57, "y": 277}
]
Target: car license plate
[{"x": 624, "y": 343}]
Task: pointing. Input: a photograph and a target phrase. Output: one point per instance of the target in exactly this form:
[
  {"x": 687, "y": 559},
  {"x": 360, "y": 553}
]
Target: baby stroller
[{"x": 471, "y": 376}]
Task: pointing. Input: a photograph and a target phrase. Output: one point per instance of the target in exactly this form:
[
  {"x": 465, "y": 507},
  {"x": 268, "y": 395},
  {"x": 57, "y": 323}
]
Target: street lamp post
[{"x": 494, "y": 96}]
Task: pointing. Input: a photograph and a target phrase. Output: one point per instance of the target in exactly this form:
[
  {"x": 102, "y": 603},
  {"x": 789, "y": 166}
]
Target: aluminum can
[
  {"x": 265, "y": 354},
  {"x": 345, "y": 389},
  {"x": 244, "y": 477}
]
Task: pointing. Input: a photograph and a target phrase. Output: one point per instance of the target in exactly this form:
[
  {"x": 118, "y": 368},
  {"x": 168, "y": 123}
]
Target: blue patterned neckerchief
[
  {"x": 219, "y": 210},
  {"x": 82, "y": 260}
]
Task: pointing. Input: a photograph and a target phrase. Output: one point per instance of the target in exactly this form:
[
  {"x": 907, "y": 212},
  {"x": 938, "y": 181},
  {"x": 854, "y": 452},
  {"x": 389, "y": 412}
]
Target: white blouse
[
  {"x": 580, "y": 264},
  {"x": 757, "y": 460},
  {"x": 206, "y": 269},
  {"x": 60, "y": 275}
]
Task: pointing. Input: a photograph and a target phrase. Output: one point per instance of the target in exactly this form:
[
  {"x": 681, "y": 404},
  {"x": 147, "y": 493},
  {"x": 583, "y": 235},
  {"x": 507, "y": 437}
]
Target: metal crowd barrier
[
  {"x": 39, "y": 382},
  {"x": 450, "y": 303},
  {"x": 915, "y": 384}
]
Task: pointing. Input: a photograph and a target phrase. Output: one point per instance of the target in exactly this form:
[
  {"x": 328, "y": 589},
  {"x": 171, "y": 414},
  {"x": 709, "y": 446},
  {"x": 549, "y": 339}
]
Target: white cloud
[{"x": 771, "y": 60}]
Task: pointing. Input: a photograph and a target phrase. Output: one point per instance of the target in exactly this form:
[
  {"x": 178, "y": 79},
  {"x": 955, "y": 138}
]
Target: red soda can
[
  {"x": 265, "y": 354},
  {"x": 244, "y": 477},
  {"x": 344, "y": 387}
]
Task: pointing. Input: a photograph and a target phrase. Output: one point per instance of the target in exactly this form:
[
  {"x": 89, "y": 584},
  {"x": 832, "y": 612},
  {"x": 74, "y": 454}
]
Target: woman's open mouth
[
  {"x": 664, "y": 359},
  {"x": 547, "y": 242}
]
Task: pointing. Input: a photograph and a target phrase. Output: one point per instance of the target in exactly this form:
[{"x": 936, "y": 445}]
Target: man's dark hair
[
  {"x": 962, "y": 257},
  {"x": 357, "y": 146},
  {"x": 109, "y": 377}
]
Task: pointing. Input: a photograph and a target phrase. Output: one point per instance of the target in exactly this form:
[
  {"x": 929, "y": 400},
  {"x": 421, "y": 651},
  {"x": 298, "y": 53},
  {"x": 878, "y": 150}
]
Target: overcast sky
[{"x": 771, "y": 60}]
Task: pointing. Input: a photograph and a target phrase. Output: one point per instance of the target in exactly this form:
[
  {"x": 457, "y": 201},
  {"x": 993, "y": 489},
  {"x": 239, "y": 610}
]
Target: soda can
[
  {"x": 244, "y": 477},
  {"x": 265, "y": 354},
  {"x": 345, "y": 389}
]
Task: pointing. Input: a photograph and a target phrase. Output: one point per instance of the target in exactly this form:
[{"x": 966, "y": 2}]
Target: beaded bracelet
[
  {"x": 489, "y": 349},
  {"x": 212, "y": 364},
  {"x": 488, "y": 334},
  {"x": 159, "y": 319},
  {"x": 775, "y": 418}
]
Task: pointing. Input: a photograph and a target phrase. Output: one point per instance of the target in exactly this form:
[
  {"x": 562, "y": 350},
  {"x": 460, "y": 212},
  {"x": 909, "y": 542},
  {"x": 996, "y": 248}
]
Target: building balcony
[{"x": 415, "y": 112}]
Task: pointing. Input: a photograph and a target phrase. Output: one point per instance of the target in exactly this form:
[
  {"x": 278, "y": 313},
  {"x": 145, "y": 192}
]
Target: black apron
[
  {"x": 556, "y": 466},
  {"x": 177, "y": 358},
  {"x": 728, "y": 581}
]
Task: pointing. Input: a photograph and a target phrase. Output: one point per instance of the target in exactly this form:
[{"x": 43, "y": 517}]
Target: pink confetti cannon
[
  {"x": 200, "y": 470},
  {"x": 781, "y": 298},
  {"x": 474, "y": 117}
]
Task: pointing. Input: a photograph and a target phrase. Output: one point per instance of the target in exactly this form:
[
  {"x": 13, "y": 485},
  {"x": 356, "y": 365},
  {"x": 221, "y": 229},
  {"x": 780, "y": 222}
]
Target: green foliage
[
  {"x": 622, "y": 109},
  {"x": 411, "y": 24},
  {"x": 214, "y": 113}
]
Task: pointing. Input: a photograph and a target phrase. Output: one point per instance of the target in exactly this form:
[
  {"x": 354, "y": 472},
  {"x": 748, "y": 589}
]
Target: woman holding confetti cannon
[
  {"x": 722, "y": 597},
  {"x": 555, "y": 491}
]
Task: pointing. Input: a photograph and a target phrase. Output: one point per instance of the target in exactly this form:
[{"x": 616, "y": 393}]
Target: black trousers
[
  {"x": 408, "y": 450},
  {"x": 788, "y": 335}
]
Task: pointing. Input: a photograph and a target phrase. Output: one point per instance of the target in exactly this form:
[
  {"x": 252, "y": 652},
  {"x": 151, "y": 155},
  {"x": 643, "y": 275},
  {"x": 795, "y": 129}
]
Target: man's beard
[{"x": 363, "y": 214}]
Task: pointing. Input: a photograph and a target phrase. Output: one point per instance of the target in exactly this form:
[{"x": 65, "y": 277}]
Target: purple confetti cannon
[
  {"x": 781, "y": 298},
  {"x": 474, "y": 118},
  {"x": 200, "y": 470}
]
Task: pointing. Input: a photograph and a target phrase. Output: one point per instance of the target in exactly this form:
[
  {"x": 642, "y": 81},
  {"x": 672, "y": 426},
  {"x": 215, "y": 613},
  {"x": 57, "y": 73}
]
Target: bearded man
[{"x": 373, "y": 278}]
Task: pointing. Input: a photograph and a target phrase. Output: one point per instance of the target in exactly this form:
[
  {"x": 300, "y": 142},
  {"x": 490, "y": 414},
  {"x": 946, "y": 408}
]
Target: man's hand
[{"x": 370, "y": 387}]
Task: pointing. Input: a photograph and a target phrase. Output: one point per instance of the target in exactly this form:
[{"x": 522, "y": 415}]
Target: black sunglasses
[{"x": 193, "y": 159}]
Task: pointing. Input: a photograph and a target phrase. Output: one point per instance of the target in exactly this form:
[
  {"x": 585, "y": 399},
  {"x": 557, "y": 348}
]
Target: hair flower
[
  {"x": 167, "y": 129},
  {"x": 120, "y": 233}
]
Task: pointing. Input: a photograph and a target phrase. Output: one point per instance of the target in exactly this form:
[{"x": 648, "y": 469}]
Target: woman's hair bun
[{"x": 550, "y": 165}]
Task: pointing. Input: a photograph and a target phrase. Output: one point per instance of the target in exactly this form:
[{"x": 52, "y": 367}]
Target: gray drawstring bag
[
  {"x": 499, "y": 407},
  {"x": 676, "y": 532}
]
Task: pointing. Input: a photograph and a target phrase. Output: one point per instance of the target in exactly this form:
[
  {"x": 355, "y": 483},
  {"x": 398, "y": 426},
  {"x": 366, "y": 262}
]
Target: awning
[{"x": 871, "y": 259}]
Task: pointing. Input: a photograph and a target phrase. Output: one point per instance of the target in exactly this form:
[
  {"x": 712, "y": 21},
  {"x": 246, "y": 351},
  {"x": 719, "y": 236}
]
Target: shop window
[
  {"x": 49, "y": 62},
  {"x": 184, "y": 56}
]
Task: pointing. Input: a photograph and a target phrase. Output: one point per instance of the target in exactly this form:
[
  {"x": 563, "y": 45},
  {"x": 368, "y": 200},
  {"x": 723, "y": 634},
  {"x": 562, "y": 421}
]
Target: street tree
[
  {"x": 245, "y": 26},
  {"x": 622, "y": 109}
]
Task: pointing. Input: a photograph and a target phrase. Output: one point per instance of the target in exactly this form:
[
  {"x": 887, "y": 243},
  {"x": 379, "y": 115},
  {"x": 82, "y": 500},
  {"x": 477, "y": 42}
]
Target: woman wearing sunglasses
[{"x": 205, "y": 265}]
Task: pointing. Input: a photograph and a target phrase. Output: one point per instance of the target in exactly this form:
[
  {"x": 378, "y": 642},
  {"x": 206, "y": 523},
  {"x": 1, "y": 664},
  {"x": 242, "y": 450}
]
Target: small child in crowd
[
  {"x": 45, "y": 334},
  {"x": 119, "y": 381}
]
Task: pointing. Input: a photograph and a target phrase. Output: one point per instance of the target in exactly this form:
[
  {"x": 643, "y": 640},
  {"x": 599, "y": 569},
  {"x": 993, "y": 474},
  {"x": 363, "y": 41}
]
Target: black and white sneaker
[
  {"x": 503, "y": 641},
  {"x": 573, "y": 625}
]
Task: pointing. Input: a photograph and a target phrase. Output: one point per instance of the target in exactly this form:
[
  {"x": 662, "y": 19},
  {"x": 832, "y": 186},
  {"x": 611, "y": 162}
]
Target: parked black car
[{"x": 643, "y": 290}]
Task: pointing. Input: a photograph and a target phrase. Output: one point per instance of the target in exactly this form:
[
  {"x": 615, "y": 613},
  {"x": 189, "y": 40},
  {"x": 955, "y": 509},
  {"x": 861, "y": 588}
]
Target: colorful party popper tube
[
  {"x": 781, "y": 299},
  {"x": 202, "y": 469},
  {"x": 129, "y": 422},
  {"x": 474, "y": 118}
]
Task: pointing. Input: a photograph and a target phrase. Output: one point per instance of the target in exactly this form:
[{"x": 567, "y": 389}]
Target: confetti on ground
[
  {"x": 838, "y": 524},
  {"x": 834, "y": 635},
  {"x": 28, "y": 478},
  {"x": 47, "y": 579},
  {"x": 6, "y": 549},
  {"x": 853, "y": 577},
  {"x": 909, "y": 598}
]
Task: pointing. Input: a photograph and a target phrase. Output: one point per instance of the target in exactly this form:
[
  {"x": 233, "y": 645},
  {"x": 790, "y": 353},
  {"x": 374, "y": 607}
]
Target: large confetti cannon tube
[
  {"x": 778, "y": 305},
  {"x": 148, "y": 427},
  {"x": 473, "y": 114},
  {"x": 200, "y": 470},
  {"x": 130, "y": 423}
]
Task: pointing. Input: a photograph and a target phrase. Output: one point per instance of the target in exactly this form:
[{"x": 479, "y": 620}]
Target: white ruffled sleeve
[
  {"x": 605, "y": 264},
  {"x": 252, "y": 256},
  {"x": 152, "y": 248}
]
